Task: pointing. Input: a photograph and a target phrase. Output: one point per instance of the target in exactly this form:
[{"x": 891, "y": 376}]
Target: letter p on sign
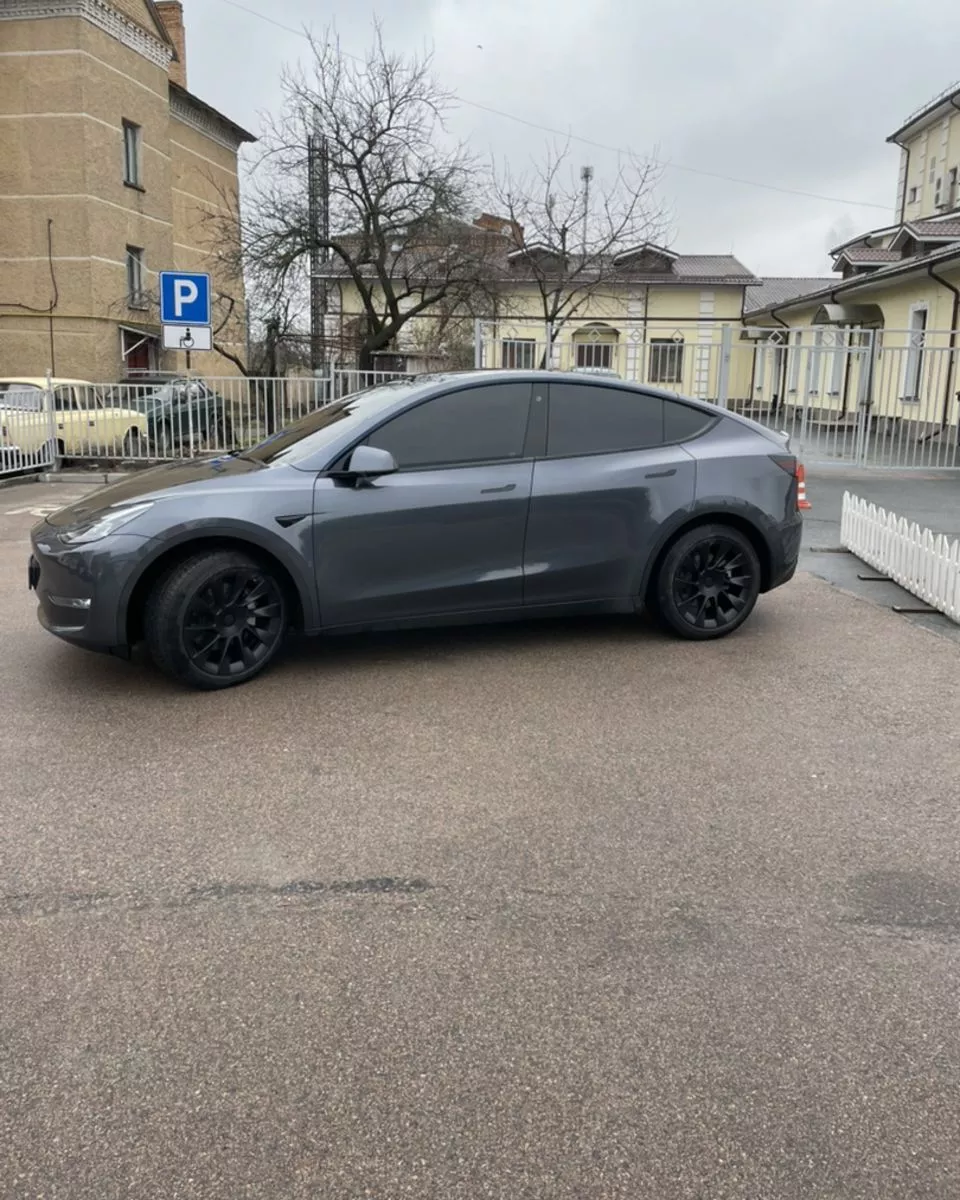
[
  {"x": 184, "y": 298},
  {"x": 185, "y": 292}
]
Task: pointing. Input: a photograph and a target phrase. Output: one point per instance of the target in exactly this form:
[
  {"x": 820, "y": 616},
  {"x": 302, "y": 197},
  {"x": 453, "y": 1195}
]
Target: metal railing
[
  {"x": 924, "y": 563},
  {"x": 159, "y": 420},
  {"x": 869, "y": 397}
]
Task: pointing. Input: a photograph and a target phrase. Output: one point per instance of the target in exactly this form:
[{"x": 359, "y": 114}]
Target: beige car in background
[{"x": 85, "y": 423}]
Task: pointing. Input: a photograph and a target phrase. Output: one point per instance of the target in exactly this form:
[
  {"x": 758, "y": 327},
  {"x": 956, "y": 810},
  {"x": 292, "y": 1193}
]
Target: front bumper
[{"x": 80, "y": 588}]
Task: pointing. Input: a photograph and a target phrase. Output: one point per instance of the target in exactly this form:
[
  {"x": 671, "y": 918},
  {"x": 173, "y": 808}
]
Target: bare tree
[
  {"x": 399, "y": 242},
  {"x": 570, "y": 233}
]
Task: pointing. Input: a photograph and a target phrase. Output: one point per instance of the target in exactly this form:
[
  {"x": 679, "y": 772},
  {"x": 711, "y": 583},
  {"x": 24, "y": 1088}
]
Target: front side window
[
  {"x": 518, "y": 354},
  {"x": 475, "y": 425},
  {"x": 666, "y": 360},
  {"x": 131, "y": 154},
  {"x": 135, "y": 293},
  {"x": 64, "y": 400},
  {"x": 589, "y": 419}
]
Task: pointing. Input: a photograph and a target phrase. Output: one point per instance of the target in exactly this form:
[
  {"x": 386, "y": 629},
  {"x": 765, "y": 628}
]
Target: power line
[{"x": 585, "y": 141}]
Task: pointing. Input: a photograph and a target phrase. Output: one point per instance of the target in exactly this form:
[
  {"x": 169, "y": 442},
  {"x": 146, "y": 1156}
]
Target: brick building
[{"x": 111, "y": 170}]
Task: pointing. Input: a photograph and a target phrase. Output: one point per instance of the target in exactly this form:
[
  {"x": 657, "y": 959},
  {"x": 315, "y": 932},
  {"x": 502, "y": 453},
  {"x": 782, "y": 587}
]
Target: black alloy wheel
[
  {"x": 216, "y": 620},
  {"x": 708, "y": 583}
]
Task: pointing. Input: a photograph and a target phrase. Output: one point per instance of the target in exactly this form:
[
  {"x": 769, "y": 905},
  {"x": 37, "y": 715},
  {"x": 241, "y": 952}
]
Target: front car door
[
  {"x": 614, "y": 472},
  {"x": 72, "y": 427},
  {"x": 443, "y": 536}
]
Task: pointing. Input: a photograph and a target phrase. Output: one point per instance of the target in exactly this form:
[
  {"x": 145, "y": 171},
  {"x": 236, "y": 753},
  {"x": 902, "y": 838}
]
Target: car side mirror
[{"x": 366, "y": 462}]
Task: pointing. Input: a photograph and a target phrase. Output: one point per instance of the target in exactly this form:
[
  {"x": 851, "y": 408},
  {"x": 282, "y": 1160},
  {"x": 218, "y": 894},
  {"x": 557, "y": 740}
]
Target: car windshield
[
  {"x": 319, "y": 429},
  {"x": 26, "y": 397}
]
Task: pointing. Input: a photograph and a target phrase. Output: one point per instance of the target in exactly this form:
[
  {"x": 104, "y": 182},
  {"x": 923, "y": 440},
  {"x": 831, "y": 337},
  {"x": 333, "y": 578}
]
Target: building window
[
  {"x": 136, "y": 297},
  {"x": 518, "y": 354},
  {"x": 913, "y": 364},
  {"x": 666, "y": 360},
  {"x": 595, "y": 355},
  {"x": 933, "y": 171},
  {"x": 912, "y": 196},
  {"x": 131, "y": 154}
]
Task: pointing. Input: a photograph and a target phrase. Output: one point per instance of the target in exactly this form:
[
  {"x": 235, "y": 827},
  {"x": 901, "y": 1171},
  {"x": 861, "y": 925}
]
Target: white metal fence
[
  {"x": 926, "y": 564},
  {"x": 864, "y": 396},
  {"x": 149, "y": 421}
]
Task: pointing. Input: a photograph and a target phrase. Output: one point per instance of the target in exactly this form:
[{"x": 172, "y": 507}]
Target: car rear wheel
[
  {"x": 132, "y": 446},
  {"x": 215, "y": 619},
  {"x": 707, "y": 583}
]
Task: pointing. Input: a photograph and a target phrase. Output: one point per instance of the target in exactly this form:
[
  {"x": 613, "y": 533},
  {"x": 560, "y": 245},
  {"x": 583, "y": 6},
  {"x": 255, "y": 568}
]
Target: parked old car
[
  {"x": 86, "y": 420},
  {"x": 480, "y": 496},
  {"x": 182, "y": 413}
]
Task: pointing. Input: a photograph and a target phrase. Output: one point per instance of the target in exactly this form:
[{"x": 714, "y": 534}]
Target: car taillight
[
  {"x": 801, "y": 477},
  {"x": 786, "y": 462}
]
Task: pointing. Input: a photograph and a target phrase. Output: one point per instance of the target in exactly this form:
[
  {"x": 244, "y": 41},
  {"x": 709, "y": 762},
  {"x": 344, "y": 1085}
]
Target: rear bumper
[{"x": 784, "y": 553}]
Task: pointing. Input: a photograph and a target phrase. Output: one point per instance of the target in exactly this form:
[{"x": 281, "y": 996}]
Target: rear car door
[
  {"x": 613, "y": 473},
  {"x": 444, "y": 534}
]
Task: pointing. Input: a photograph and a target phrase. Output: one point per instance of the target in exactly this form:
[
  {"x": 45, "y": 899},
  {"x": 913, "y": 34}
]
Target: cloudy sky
[{"x": 798, "y": 97}]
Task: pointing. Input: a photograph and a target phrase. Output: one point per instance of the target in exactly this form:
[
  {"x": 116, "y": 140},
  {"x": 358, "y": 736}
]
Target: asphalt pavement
[{"x": 546, "y": 911}]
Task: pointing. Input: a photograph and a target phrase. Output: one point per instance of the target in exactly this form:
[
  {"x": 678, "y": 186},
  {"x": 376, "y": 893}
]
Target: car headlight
[{"x": 103, "y": 524}]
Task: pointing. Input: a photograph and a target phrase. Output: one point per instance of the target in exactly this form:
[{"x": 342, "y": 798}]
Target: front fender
[{"x": 239, "y": 532}]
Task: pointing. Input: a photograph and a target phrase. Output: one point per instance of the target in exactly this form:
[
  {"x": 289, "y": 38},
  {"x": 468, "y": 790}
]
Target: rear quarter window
[{"x": 682, "y": 422}]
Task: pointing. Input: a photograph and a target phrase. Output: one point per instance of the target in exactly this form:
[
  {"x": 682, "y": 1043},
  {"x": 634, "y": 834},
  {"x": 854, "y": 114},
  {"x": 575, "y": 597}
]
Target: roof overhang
[
  {"x": 947, "y": 101},
  {"x": 848, "y": 314}
]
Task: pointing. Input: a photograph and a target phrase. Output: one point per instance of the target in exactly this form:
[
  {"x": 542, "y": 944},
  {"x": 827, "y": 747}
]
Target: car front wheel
[
  {"x": 215, "y": 620},
  {"x": 707, "y": 583}
]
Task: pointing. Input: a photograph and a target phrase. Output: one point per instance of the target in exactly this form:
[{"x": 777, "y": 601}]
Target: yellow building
[
  {"x": 881, "y": 335},
  {"x": 110, "y": 171},
  {"x": 650, "y": 315}
]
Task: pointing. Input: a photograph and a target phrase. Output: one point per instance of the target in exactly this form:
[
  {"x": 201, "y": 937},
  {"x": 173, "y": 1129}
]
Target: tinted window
[
  {"x": 480, "y": 424},
  {"x": 314, "y": 432},
  {"x": 680, "y": 421},
  {"x": 585, "y": 419}
]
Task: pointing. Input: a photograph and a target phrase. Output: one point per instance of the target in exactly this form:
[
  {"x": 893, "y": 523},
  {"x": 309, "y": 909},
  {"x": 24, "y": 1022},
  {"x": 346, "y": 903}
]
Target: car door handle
[
  {"x": 661, "y": 474},
  {"x": 91, "y": 423},
  {"x": 507, "y": 487}
]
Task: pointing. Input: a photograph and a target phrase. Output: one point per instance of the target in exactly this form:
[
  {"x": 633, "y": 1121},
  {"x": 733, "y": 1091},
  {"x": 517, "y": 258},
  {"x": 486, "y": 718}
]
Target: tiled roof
[
  {"x": 931, "y": 228},
  {"x": 870, "y": 254},
  {"x": 771, "y": 292},
  {"x": 717, "y": 266},
  {"x": 892, "y": 270}
]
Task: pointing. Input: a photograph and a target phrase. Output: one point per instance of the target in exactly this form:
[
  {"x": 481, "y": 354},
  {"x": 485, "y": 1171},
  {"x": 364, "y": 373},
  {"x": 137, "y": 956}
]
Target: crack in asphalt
[{"x": 302, "y": 891}]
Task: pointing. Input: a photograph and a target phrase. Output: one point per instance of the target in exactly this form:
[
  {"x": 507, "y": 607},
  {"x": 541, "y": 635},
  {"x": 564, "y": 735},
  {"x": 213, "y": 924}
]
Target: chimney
[{"x": 171, "y": 14}]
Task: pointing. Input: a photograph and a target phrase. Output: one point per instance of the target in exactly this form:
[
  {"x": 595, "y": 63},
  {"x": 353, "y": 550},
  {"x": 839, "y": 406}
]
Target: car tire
[
  {"x": 215, "y": 619},
  {"x": 132, "y": 444},
  {"x": 707, "y": 582}
]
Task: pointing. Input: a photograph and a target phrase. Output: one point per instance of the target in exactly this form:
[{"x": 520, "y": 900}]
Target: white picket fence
[{"x": 924, "y": 563}]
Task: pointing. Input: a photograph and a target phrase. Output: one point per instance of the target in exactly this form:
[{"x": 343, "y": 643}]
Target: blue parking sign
[{"x": 184, "y": 298}]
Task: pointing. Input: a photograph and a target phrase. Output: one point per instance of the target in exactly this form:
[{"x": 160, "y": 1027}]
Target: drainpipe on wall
[
  {"x": 780, "y": 398},
  {"x": 952, "y": 344}
]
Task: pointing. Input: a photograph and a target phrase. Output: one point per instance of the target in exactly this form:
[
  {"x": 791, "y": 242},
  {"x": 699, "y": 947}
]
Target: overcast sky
[{"x": 797, "y": 96}]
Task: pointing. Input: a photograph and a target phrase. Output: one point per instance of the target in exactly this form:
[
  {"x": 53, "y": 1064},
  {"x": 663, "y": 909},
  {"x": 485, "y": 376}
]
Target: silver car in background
[{"x": 470, "y": 497}]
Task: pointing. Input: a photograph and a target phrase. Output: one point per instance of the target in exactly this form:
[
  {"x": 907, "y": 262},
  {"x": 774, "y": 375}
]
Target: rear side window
[
  {"x": 480, "y": 424},
  {"x": 587, "y": 419},
  {"x": 681, "y": 422}
]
